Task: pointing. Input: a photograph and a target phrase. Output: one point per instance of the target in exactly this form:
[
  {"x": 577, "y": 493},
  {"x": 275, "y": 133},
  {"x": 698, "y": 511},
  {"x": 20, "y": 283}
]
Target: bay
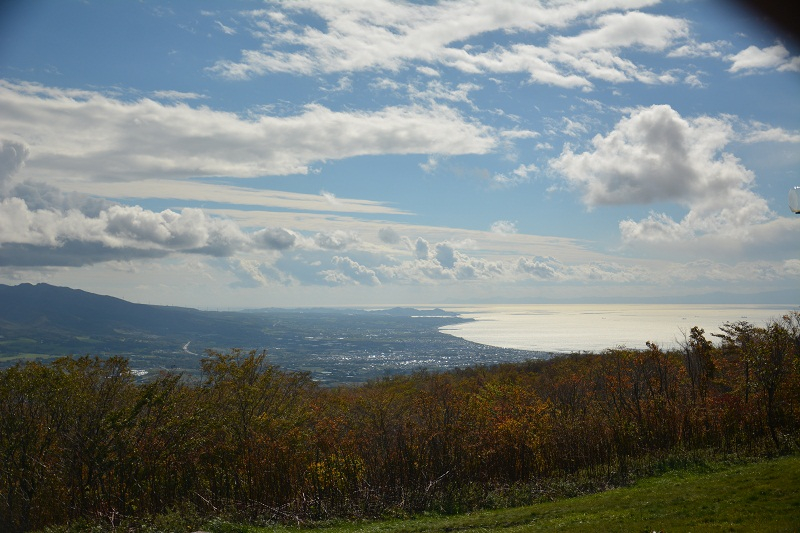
[{"x": 570, "y": 328}]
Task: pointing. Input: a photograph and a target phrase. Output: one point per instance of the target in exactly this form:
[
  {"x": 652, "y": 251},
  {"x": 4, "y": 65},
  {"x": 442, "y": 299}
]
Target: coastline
[{"x": 565, "y": 328}]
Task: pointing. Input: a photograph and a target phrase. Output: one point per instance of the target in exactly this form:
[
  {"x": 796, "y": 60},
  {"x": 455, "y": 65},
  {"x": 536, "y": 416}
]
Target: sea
[{"x": 573, "y": 328}]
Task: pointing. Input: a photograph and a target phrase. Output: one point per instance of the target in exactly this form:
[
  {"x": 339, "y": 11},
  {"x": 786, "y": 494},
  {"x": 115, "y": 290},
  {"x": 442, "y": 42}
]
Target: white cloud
[
  {"x": 87, "y": 135},
  {"x": 52, "y": 237},
  {"x": 227, "y": 30},
  {"x": 519, "y": 134},
  {"x": 437, "y": 91},
  {"x": 655, "y": 155},
  {"x": 623, "y": 30},
  {"x": 389, "y": 235},
  {"x": 275, "y": 238},
  {"x": 792, "y": 267},
  {"x": 249, "y": 273},
  {"x": 536, "y": 268},
  {"x": 252, "y": 273},
  {"x": 445, "y": 255},
  {"x": 421, "y": 248},
  {"x": 428, "y": 71},
  {"x": 693, "y": 80},
  {"x": 451, "y": 265},
  {"x": 177, "y": 95},
  {"x": 192, "y": 190},
  {"x": 336, "y": 240},
  {"x": 351, "y": 271},
  {"x": 387, "y": 35},
  {"x": 573, "y": 128},
  {"x": 12, "y": 157},
  {"x": 754, "y": 58},
  {"x": 519, "y": 175},
  {"x": 329, "y": 197},
  {"x": 42, "y": 226},
  {"x": 503, "y": 227},
  {"x": 695, "y": 49},
  {"x": 430, "y": 165},
  {"x": 763, "y": 133}
]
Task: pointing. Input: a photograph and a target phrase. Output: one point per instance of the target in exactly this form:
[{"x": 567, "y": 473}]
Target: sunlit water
[{"x": 575, "y": 328}]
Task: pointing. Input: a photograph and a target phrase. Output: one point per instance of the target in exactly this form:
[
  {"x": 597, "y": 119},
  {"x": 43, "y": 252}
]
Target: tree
[{"x": 257, "y": 421}]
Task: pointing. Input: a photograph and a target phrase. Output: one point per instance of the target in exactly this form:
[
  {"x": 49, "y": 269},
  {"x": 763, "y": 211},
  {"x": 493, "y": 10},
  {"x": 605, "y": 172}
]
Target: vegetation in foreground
[
  {"x": 82, "y": 443},
  {"x": 763, "y": 496}
]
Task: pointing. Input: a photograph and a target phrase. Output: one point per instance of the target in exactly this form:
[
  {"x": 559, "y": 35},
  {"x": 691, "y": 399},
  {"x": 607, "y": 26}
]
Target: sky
[{"x": 247, "y": 154}]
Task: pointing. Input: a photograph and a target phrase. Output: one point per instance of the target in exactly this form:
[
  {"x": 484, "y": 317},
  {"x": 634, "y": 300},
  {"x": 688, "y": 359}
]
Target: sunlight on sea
[{"x": 577, "y": 327}]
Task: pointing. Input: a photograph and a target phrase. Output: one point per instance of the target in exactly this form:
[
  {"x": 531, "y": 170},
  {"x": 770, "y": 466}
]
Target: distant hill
[
  {"x": 76, "y": 311},
  {"x": 44, "y": 320},
  {"x": 64, "y": 308}
]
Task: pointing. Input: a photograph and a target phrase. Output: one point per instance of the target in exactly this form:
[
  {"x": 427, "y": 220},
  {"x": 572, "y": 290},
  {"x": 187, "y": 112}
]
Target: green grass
[{"x": 756, "y": 497}]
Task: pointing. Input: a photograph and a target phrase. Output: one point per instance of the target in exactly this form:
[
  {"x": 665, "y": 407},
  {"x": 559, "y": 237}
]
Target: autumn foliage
[{"x": 81, "y": 439}]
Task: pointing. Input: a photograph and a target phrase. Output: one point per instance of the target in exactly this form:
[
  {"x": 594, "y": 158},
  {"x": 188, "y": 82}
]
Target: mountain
[
  {"x": 68, "y": 309},
  {"x": 81, "y": 312},
  {"x": 43, "y": 321}
]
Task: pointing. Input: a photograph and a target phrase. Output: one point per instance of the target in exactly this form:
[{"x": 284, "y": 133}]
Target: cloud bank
[
  {"x": 93, "y": 136},
  {"x": 390, "y": 36}
]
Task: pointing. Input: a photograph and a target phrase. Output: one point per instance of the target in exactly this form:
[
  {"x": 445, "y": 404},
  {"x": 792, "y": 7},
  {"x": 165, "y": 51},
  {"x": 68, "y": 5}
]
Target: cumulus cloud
[
  {"x": 249, "y": 274},
  {"x": 421, "y": 248},
  {"x": 336, "y": 240},
  {"x": 91, "y": 135},
  {"x": 350, "y": 272},
  {"x": 38, "y": 195},
  {"x": 252, "y": 273},
  {"x": 388, "y": 35},
  {"x": 388, "y": 235},
  {"x": 445, "y": 255},
  {"x": 655, "y": 155},
  {"x": 275, "y": 238},
  {"x": 43, "y": 226},
  {"x": 537, "y": 268},
  {"x": 753, "y": 59},
  {"x": 127, "y": 229},
  {"x": 503, "y": 227},
  {"x": 12, "y": 156},
  {"x": 329, "y": 197},
  {"x": 449, "y": 264}
]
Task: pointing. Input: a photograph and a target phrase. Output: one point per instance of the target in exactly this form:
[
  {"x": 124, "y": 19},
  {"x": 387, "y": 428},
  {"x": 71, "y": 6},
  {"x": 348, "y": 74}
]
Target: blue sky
[{"x": 343, "y": 152}]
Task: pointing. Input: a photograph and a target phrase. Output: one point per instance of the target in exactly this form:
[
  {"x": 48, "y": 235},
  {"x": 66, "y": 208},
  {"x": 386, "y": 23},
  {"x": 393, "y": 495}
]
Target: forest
[{"x": 82, "y": 440}]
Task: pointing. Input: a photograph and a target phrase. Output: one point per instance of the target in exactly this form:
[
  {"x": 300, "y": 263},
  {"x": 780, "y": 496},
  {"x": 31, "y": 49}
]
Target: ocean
[{"x": 583, "y": 328}]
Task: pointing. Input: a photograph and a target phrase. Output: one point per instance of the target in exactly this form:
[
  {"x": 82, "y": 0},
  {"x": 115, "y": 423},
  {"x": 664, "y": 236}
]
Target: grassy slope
[{"x": 754, "y": 497}]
